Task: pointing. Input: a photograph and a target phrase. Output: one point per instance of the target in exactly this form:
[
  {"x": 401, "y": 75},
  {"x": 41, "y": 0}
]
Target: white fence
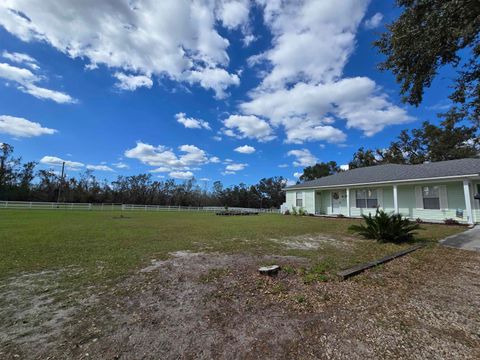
[{"x": 119, "y": 207}]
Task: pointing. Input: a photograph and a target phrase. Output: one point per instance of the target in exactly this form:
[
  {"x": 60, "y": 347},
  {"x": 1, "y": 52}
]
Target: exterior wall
[
  {"x": 319, "y": 202},
  {"x": 309, "y": 201}
]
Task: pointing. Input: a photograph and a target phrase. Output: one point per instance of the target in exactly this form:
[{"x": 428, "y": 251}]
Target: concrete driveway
[{"x": 468, "y": 240}]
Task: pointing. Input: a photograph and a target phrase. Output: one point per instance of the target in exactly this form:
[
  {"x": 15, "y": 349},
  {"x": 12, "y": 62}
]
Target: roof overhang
[{"x": 391, "y": 182}]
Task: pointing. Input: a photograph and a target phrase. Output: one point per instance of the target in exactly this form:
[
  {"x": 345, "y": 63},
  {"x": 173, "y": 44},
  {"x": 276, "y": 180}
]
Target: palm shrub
[{"x": 386, "y": 227}]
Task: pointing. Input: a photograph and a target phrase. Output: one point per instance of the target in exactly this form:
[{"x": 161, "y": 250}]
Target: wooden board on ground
[{"x": 345, "y": 274}]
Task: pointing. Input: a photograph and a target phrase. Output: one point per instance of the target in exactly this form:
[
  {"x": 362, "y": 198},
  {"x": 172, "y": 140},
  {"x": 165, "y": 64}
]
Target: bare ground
[{"x": 199, "y": 305}]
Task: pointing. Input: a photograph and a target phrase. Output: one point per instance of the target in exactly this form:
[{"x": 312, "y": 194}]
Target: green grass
[{"x": 104, "y": 245}]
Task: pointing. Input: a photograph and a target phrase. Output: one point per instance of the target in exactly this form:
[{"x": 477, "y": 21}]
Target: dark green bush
[{"x": 385, "y": 227}]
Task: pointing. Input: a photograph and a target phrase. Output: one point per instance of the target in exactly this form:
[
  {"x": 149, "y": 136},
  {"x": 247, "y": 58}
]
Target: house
[{"x": 431, "y": 192}]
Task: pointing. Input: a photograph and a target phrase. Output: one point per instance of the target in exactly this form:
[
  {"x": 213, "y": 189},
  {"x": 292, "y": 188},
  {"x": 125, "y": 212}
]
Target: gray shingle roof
[{"x": 394, "y": 172}]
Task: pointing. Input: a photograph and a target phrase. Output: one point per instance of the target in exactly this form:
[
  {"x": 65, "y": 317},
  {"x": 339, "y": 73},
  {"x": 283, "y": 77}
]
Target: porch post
[
  {"x": 395, "y": 199},
  {"x": 468, "y": 201},
  {"x": 348, "y": 203}
]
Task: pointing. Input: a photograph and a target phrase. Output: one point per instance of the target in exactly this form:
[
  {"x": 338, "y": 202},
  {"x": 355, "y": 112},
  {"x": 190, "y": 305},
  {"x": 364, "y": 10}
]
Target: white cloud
[
  {"x": 26, "y": 82},
  {"x": 218, "y": 80},
  {"x": 20, "y": 127},
  {"x": 248, "y": 126},
  {"x": 245, "y": 149},
  {"x": 120, "y": 165},
  {"x": 297, "y": 174},
  {"x": 374, "y": 21},
  {"x": 181, "y": 175},
  {"x": 56, "y": 161},
  {"x": 283, "y": 165},
  {"x": 165, "y": 159},
  {"x": 307, "y": 112},
  {"x": 303, "y": 157},
  {"x": 20, "y": 58},
  {"x": 312, "y": 40},
  {"x": 233, "y": 13},
  {"x": 99, "y": 167},
  {"x": 345, "y": 167},
  {"x": 192, "y": 123},
  {"x": 132, "y": 82},
  {"x": 168, "y": 38},
  {"x": 302, "y": 90},
  {"x": 232, "y": 168},
  {"x": 235, "y": 167},
  {"x": 204, "y": 179}
]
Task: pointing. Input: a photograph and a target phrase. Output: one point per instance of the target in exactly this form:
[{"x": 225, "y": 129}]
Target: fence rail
[{"x": 119, "y": 207}]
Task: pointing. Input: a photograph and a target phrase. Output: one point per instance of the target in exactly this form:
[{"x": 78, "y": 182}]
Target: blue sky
[{"x": 231, "y": 90}]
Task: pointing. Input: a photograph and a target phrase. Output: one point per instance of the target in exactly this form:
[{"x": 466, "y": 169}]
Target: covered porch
[{"x": 427, "y": 201}]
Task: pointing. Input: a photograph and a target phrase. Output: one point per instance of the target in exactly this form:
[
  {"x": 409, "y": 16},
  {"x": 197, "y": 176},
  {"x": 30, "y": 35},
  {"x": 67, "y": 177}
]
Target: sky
[{"x": 229, "y": 90}]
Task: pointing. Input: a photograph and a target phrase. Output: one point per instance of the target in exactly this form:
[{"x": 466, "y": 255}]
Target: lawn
[
  {"x": 33, "y": 241},
  {"x": 175, "y": 285}
]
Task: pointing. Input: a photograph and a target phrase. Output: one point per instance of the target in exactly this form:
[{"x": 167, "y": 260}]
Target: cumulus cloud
[
  {"x": 232, "y": 168},
  {"x": 374, "y": 21},
  {"x": 191, "y": 123},
  {"x": 302, "y": 90},
  {"x": 56, "y": 161},
  {"x": 26, "y": 81},
  {"x": 20, "y": 127},
  {"x": 185, "y": 175},
  {"x": 297, "y": 174},
  {"x": 248, "y": 126},
  {"x": 164, "y": 159},
  {"x": 303, "y": 157},
  {"x": 245, "y": 149},
  {"x": 99, "y": 167},
  {"x": 132, "y": 82},
  {"x": 171, "y": 38}
]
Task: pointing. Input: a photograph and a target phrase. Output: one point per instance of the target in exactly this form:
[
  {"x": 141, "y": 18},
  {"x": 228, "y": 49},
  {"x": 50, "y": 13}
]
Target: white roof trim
[{"x": 438, "y": 178}]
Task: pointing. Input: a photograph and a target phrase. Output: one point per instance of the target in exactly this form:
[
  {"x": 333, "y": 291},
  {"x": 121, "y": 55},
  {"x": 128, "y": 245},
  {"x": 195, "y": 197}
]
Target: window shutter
[
  {"x": 380, "y": 198},
  {"x": 418, "y": 197},
  {"x": 353, "y": 198},
  {"x": 443, "y": 197}
]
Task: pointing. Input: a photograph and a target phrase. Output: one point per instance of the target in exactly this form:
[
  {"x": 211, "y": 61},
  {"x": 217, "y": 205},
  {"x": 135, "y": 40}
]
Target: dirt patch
[
  {"x": 203, "y": 306},
  {"x": 33, "y": 310},
  {"x": 313, "y": 242}
]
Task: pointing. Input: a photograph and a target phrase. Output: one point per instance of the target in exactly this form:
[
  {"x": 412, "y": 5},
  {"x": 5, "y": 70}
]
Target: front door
[{"x": 336, "y": 201}]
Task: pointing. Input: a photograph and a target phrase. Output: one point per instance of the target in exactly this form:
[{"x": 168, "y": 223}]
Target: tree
[
  {"x": 447, "y": 141},
  {"x": 319, "y": 170},
  {"x": 363, "y": 158},
  {"x": 428, "y": 35}
]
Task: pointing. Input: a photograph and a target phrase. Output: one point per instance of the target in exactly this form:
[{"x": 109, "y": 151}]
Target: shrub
[
  {"x": 341, "y": 216},
  {"x": 418, "y": 220},
  {"x": 385, "y": 227},
  {"x": 287, "y": 212},
  {"x": 294, "y": 211},
  {"x": 451, "y": 222},
  {"x": 302, "y": 212}
]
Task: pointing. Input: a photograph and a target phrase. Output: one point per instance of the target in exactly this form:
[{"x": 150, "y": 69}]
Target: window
[
  {"x": 366, "y": 198},
  {"x": 431, "y": 197},
  {"x": 299, "y": 199}
]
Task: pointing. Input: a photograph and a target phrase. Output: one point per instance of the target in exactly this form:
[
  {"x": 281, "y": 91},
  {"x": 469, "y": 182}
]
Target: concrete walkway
[{"x": 468, "y": 240}]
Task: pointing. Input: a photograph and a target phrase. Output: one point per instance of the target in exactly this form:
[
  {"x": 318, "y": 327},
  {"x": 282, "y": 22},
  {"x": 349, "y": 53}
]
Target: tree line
[
  {"x": 21, "y": 181},
  {"x": 449, "y": 140}
]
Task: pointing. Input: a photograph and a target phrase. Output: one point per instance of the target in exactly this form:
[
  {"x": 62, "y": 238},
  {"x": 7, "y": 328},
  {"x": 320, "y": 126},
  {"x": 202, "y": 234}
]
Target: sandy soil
[{"x": 203, "y": 306}]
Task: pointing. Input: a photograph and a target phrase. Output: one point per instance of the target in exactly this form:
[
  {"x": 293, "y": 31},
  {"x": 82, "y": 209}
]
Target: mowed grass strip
[{"x": 104, "y": 245}]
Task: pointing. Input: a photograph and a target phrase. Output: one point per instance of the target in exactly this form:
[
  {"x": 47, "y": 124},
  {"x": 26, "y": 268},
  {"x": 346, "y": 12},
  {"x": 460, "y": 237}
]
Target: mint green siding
[
  {"x": 319, "y": 201},
  {"x": 309, "y": 201}
]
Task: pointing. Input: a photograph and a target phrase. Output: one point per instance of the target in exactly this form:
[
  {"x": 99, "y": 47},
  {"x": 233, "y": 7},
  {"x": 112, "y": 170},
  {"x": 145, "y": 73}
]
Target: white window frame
[
  {"x": 433, "y": 192},
  {"x": 368, "y": 194},
  {"x": 299, "y": 197}
]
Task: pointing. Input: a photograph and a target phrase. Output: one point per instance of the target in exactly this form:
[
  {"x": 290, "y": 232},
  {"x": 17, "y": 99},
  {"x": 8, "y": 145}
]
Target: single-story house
[{"x": 431, "y": 192}]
